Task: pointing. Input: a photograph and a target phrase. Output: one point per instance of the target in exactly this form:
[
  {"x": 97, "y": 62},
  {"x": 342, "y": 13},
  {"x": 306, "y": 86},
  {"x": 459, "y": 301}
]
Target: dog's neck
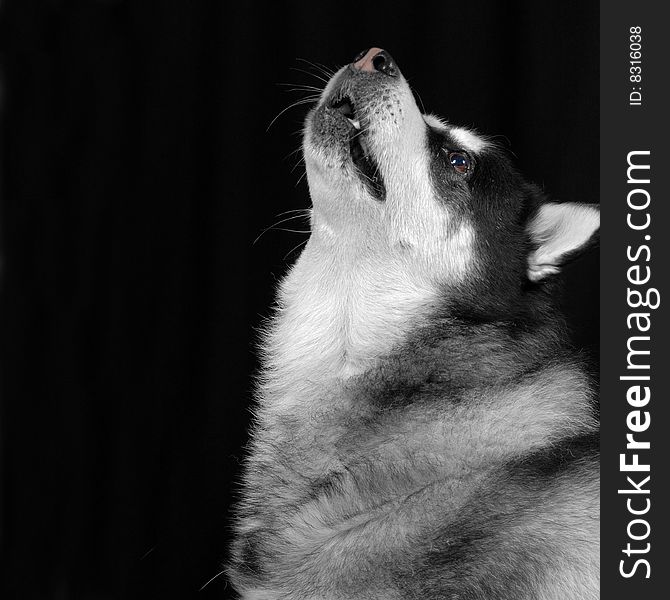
[{"x": 339, "y": 310}]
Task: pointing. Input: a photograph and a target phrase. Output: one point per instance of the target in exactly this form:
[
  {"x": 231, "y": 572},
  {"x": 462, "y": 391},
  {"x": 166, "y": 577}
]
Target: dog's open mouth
[{"x": 358, "y": 148}]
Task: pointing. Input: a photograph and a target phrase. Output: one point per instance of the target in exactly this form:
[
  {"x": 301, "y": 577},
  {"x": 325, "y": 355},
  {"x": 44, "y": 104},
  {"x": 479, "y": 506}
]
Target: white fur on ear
[{"x": 558, "y": 229}]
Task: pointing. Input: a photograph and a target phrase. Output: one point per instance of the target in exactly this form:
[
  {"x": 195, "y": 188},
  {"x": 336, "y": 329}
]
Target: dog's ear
[{"x": 557, "y": 232}]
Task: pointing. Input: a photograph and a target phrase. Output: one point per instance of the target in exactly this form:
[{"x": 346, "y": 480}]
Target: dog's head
[{"x": 411, "y": 192}]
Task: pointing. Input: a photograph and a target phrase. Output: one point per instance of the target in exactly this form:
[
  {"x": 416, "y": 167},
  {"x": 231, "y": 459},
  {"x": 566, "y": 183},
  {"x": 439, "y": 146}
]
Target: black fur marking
[
  {"x": 550, "y": 462},
  {"x": 453, "y": 356},
  {"x": 499, "y": 204},
  {"x": 459, "y": 562},
  {"x": 326, "y": 486},
  {"x": 452, "y": 187}
]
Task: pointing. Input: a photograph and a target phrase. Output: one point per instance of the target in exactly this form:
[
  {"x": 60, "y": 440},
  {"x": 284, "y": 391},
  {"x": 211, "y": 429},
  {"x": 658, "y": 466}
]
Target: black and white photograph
[{"x": 302, "y": 301}]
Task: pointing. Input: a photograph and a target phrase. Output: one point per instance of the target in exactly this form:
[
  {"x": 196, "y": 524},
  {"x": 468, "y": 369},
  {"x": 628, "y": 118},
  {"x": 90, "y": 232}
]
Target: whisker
[
  {"x": 312, "y": 96},
  {"x": 294, "y": 249},
  {"x": 310, "y": 74},
  {"x": 423, "y": 108},
  {"x": 366, "y": 176},
  {"x": 298, "y": 163},
  {"x": 301, "y": 87},
  {"x": 292, "y": 152},
  {"x": 302, "y": 210},
  {"x": 297, "y": 183},
  {"x": 292, "y": 230},
  {"x": 361, "y": 132},
  {"x": 330, "y": 71},
  {"x": 274, "y": 225},
  {"x": 318, "y": 66},
  {"x": 293, "y": 105},
  {"x": 309, "y": 96},
  {"x": 212, "y": 579}
]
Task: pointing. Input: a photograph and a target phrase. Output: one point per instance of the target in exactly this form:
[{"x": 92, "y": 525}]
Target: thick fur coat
[{"x": 422, "y": 428}]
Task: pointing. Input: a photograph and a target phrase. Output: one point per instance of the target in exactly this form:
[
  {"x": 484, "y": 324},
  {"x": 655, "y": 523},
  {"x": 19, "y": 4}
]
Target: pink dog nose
[{"x": 376, "y": 59}]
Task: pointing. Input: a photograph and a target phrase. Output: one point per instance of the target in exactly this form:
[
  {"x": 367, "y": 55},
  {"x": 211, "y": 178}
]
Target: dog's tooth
[{"x": 356, "y": 124}]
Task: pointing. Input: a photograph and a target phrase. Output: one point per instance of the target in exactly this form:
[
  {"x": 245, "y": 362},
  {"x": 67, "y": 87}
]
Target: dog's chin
[
  {"x": 340, "y": 190},
  {"x": 337, "y": 146}
]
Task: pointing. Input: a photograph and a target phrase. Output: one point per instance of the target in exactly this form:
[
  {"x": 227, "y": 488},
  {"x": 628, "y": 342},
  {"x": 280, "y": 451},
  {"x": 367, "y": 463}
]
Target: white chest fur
[{"x": 339, "y": 310}]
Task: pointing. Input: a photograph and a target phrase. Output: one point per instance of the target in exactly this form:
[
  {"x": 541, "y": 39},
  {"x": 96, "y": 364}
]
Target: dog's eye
[{"x": 460, "y": 162}]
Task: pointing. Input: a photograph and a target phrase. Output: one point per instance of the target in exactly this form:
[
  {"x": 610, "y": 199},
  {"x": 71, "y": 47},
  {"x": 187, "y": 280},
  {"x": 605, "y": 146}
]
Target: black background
[{"x": 136, "y": 173}]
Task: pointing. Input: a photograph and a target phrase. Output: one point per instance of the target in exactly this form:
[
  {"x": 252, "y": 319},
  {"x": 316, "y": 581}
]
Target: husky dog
[{"x": 423, "y": 429}]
